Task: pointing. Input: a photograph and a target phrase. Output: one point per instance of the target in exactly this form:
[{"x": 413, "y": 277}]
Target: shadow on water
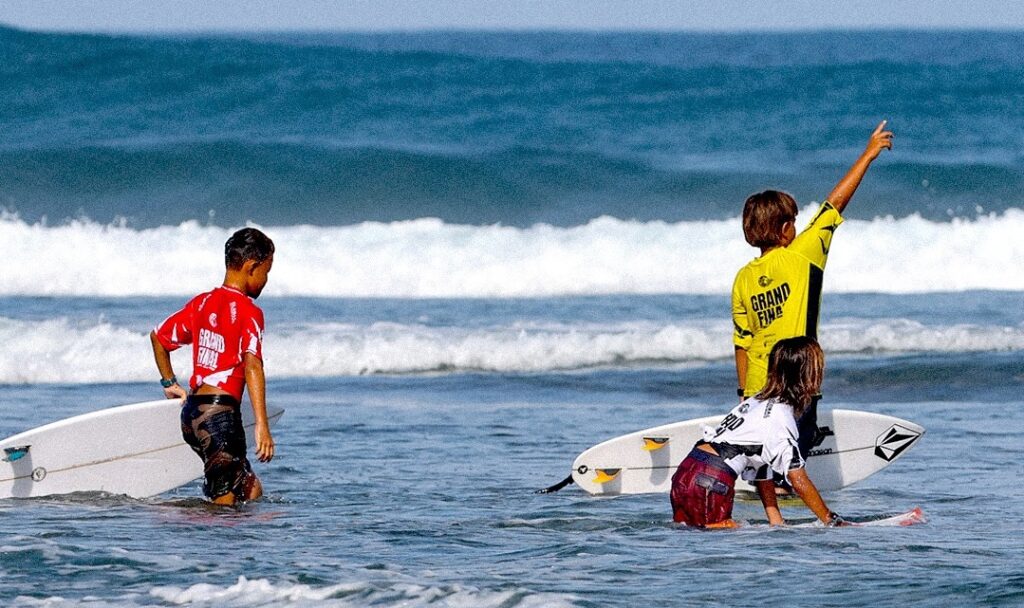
[{"x": 172, "y": 510}]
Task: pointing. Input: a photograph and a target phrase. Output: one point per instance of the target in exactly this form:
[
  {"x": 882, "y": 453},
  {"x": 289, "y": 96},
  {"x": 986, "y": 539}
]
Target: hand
[
  {"x": 836, "y": 521},
  {"x": 264, "y": 443},
  {"x": 175, "y": 391},
  {"x": 880, "y": 140}
]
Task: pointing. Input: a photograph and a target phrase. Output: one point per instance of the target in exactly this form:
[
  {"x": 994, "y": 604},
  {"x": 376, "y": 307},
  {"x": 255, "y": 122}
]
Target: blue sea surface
[
  {"x": 514, "y": 128},
  {"x": 495, "y": 250},
  {"x": 419, "y": 491},
  {"x": 418, "y": 488}
]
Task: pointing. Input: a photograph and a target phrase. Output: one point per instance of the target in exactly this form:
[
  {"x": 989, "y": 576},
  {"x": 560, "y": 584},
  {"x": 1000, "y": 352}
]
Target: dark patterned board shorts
[
  {"x": 703, "y": 490},
  {"x": 807, "y": 438},
  {"x": 212, "y": 427},
  {"x": 807, "y": 429}
]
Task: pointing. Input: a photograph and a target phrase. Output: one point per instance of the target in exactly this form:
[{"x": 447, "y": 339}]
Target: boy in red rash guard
[{"x": 225, "y": 328}]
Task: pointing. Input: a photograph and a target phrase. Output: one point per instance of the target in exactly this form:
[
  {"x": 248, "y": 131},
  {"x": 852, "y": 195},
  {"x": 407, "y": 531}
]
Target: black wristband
[
  {"x": 740, "y": 392},
  {"x": 168, "y": 383},
  {"x": 834, "y": 520}
]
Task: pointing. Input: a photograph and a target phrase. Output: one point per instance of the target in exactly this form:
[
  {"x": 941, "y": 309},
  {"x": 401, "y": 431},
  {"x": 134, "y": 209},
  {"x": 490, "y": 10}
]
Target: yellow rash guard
[{"x": 778, "y": 295}]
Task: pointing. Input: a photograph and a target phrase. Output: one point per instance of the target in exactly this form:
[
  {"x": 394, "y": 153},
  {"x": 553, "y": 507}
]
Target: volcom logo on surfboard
[{"x": 894, "y": 442}]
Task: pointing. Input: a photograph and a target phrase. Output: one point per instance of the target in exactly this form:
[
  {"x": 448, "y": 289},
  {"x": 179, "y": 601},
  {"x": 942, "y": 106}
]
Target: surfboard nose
[{"x": 896, "y": 440}]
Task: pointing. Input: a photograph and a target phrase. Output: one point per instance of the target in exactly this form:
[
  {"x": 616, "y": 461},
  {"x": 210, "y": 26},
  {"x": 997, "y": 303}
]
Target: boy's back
[
  {"x": 778, "y": 295},
  {"x": 222, "y": 325},
  {"x": 225, "y": 328}
]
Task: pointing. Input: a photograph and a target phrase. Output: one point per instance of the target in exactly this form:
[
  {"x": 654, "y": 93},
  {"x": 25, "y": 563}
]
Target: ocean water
[{"x": 495, "y": 250}]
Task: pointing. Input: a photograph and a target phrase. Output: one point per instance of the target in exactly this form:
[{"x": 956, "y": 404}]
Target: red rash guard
[{"x": 222, "y": 325}]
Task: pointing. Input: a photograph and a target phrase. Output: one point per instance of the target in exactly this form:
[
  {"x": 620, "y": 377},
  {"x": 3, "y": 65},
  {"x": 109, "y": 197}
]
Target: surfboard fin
[
  {"x": 655, "y": 443},
  {"x": 15, "y": 453},
  {"x": 606, "y": 475}
]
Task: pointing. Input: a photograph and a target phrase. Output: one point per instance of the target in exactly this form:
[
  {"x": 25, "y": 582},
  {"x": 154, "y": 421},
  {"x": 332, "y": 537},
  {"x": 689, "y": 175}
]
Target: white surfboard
[
  {"x": 136, "y": 450},
  {"x": 910, "y": 518},
  {"x": 851, "y": 446},
  {"x": 901, "y": 520}
]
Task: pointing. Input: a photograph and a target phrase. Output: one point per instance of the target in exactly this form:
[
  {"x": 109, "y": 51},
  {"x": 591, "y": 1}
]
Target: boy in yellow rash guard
[{"x": 778, "y": 295}]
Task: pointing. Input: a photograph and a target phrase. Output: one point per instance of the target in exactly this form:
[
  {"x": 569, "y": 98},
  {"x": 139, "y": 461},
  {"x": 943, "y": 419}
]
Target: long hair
[
  {"x": 795, "y": 370},
  {"x": 764, "y": 215}
]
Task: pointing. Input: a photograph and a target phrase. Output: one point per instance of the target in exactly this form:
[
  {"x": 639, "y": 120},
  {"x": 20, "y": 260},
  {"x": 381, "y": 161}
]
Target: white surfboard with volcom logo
[{"x": 849, "y": 446}]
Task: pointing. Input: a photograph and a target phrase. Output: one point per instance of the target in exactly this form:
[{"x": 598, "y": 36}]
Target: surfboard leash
[{"x": 558, "y": 486}]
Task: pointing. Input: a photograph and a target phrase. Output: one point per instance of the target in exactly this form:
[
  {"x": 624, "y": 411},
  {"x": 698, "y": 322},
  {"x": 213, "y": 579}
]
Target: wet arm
[
  {"x": 741, "y": 367},
  {"x": 766, "y": 491},
  {"x": 163, "y": 363},
  {"x": 256, "y": 383},
  {"x": 805, "y": 489}
]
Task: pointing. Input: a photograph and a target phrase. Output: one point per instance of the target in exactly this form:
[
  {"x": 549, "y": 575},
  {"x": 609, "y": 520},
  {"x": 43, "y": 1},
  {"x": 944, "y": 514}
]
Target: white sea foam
[
  {"x": 245, "y": 592},
  {"x": 60, "y": 351},
  {"x": 266, "y": 594},
  {"x": 261, "y": 592},
  {"x": 428, "y": 258}
]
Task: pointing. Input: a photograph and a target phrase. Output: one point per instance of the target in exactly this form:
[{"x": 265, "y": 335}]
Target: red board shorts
[
  {"x": 212, "y": 426},
  {"x": 703, "y": 490}
]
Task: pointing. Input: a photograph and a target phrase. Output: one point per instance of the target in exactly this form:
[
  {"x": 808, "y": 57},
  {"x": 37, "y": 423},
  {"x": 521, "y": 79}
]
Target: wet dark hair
[
  {"x": 764, "y": 215},
  {"x": 795, "y": 370},
  {"x": 247, "y": 244}
]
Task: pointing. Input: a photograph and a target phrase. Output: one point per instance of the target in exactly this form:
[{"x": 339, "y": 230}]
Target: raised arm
[{"x": 844, "y": 190}]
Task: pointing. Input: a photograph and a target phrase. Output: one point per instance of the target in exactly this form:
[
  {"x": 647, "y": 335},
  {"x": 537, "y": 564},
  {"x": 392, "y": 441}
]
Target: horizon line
[{"x": 215, "y": 30}]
